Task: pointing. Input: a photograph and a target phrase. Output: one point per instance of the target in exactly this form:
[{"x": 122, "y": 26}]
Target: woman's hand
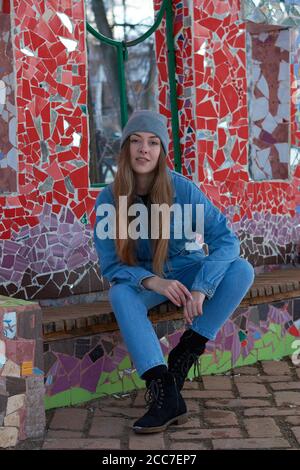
[
  {"x": 175, "y": 291},
  {"x": 172, "y": 289},
  {"x": 193, "y": 307}
]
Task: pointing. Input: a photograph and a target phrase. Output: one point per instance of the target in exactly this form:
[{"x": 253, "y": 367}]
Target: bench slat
[{"x": 68, "y": 321}]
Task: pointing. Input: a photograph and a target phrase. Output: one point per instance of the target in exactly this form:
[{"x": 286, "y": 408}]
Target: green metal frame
[{"x": 122, "y": 53}]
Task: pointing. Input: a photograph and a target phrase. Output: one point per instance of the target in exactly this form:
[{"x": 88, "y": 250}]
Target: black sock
[{"x": 154, "y": 372}]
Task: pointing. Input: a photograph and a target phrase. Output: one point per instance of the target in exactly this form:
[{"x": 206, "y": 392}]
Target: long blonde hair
[{"x": 161, "y": 192}]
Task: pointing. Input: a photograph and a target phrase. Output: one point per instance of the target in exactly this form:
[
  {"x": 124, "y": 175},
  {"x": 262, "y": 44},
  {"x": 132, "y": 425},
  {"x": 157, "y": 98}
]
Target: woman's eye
[
  {"x": 154, "y": 143},
  {"x": 133, "y": 141}
]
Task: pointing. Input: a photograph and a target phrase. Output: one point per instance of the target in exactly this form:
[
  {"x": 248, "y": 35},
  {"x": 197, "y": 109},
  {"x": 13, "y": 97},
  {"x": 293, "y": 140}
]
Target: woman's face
[{"x": 144, "y": 152}]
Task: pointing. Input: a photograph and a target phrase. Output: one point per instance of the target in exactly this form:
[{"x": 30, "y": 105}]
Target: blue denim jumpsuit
[{"x": 222, "y": 275}]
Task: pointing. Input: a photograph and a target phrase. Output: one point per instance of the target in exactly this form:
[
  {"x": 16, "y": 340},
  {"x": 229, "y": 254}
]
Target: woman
[{"x": 146, "y": 267}]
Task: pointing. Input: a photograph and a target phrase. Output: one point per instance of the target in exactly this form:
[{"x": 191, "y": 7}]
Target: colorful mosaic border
[{"x": 99, "y": 365}]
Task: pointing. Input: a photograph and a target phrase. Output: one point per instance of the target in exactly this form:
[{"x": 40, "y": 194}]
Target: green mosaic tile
[
  {"x": 114, "y": 376},
  {"x": 58, "y": 400},
  {"x": 224, "y": 367},
  {"x": 224, "y": 358},
  {"x": 12, "y": 302},
  {"x": 212, "y": 369},
  {"x": 275, "y": 328},
  {"x": 205, "y": 362},
  {"x": 288, "y": 342},
  {"x": 265, "y": 353},
  {"x": 250, "y": 359},
  {"x": 102, "y": 379},
  {"x": 258, "y": 344},
  {"x": 79, "y": 395},
  {"x": 125, "y": 364},
  {"x": 127, "y": 384},
  {"x": 109, "y": 389},
  {"x": 139, "y": 383},
  {"x": 268, "y": 338}
]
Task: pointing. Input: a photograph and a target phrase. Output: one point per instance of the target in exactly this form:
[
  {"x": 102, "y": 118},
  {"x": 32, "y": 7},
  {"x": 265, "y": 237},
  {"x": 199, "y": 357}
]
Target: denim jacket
[{"x": 223, "y": 245}]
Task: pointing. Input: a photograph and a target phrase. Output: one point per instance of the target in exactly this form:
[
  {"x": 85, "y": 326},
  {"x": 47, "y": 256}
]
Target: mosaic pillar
[
  {"x": 22, "y": 412},
  {"x": 8, "y": 111}
]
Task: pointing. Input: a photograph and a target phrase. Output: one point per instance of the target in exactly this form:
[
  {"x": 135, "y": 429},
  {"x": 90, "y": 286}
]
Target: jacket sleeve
[
  {"x": 110, "y": 265},
  {"x": 223, "y": 244}
]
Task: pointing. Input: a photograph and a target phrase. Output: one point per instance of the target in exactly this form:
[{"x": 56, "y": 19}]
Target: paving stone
[
  {"x": 262, "y": 378},
  {"x": 207, "y": 394},
  {"x": 246, "y": 370},
  {"x": 189, "y": 385},
  {"x": 293, "y": 420},
  {"x": 146, "y": 441},
  {"x": 119, "y": 401},
  {"x": 212, "y": 423},
  {"x": 237, "y": 403},
  {"x": 192, "y": 405},
  {"x": 83, "y": 443},
  {"x": 188, "y": 446},
  {"x": 192, "y": 422},
  {"x": 140, "y": 400},
  {"x": 276, "y": 368},
  {"x": 129, "y": 413},
  {"x": 218, "y": 433},
  {"x": 285, "y": 386},
  {"x": 261, "y": 427},
  {"x": 296, "y": 431},
  {"x": 69, "y": 418},
  {"x": 58, "y": 434},
  {"x": 220, "y": 417},
  {"x": 216, "y": 383},
  {"x": 252, "y": 390},
  {"x": 251, "y": 443},
  {"x": 272, "y": 411},
  {"x": 103, "y": 427},
  {"x": 287, "y": 398}
]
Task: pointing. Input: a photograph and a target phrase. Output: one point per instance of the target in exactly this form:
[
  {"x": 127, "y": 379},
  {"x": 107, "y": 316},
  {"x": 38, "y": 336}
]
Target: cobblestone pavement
[{"x": 253, "y": 407}]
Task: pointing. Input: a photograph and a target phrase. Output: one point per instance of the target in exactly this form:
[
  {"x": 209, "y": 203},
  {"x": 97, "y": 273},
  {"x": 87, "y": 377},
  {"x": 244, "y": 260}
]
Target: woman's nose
[{"x": 144, "y": 147}]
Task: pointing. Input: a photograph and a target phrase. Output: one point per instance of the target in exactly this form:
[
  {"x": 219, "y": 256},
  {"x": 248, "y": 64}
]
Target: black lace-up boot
[
  {"x": 166, "y": 406},
  {"x": 191, "y": 345}
]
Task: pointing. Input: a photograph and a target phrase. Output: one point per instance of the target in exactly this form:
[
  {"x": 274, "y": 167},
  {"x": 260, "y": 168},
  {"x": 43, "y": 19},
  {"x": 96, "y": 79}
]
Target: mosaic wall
[
  {"x": 46, "y": 241},
  {"x": 83, "y": 369},
  {"x": 265, "y": 214},
  {"x": 22, "y": 413},
  {"x": 277, "y": 12},
  {"x": 268, "y": 63},
  {"x": 46, "y": 248},
  {"x": 8, "y": 119}
]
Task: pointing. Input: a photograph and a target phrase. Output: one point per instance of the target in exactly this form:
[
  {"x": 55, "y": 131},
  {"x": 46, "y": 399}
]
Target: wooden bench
[{"x": 86, "y": 319}]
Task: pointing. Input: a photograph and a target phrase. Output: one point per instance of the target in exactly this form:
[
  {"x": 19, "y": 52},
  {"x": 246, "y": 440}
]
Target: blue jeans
[{"x": 131, "y": 306}]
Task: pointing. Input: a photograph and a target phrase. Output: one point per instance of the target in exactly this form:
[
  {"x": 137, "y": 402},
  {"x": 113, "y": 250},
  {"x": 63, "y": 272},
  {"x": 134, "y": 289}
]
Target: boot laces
[
  {"x": 184, "y": 362},
  {"x": 154, "y": 394}
]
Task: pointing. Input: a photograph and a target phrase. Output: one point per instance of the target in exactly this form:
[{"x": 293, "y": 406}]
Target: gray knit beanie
[{"x": 147, "y": 121}]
